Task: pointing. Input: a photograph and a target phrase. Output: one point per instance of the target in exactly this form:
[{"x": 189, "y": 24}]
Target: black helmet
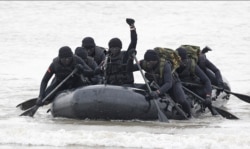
[
  {"x": 65, "y": 52},
  {"x": 88, "y": 42},
  {"x": 81, "y": 52},
  {"x": 115, "y": 42},
  {"x": 182, "y": 53}
]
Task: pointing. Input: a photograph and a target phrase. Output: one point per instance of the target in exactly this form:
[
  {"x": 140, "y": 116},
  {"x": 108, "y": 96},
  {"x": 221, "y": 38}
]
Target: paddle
[
  {"x": 171, "y": 101},
  {"x": 27, "y": 104},
  {"x": 105, "y": 65},
  {"x": 30, "y": 112},
  {"x": 161, "y": 116},
  {"x": 245, "y": 98},
  {"x": 223, "y": 113}
]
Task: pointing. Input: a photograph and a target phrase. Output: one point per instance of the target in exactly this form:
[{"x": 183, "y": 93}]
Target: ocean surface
[{"x": 31, "y": 33}]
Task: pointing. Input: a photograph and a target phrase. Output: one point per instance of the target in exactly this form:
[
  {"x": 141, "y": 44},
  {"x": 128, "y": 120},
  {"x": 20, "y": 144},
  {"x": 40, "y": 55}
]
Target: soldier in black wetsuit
[
  {"x": 210, "y": 70},
  {"x": 61, "y": 67},
  {"x": 96, "y": 52},
  {"x": 82, "y": 53},
  {"x": 119, "y": 62},
  {"x": 169, "y": 82},
  {"x": 189, "y": 71}
]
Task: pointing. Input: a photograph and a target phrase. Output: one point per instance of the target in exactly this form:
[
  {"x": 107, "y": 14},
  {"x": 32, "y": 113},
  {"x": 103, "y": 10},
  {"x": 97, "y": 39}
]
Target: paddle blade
[
  {"x": 181, "y": 111},
  {"x": 30, "y": 112},
  {"x": 27, "y": 104},
  {"x": 162, "y": 117},
  {"x": 225, "y": 113},
  {"x": 245, "y": 98}
]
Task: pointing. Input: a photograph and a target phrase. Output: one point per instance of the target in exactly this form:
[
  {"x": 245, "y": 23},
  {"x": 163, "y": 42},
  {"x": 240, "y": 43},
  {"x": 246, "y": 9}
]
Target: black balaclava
[
  {"x": 65, "y": 52},
  {"x": 65, "y": 55},
  {"x": 152, "y": 59},
  {"x": 81, "y": 52},
  {"x": 115, "y": 46},
  {"x": 182, "y": 53},
  {"x": 88, "y": 42},
  {"x": 151, "y": 55}
]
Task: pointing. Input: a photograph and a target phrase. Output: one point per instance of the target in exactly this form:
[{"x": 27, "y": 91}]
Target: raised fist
[{"x": 130, "y": 21}]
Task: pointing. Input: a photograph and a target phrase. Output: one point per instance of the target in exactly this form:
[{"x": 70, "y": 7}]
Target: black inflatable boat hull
[
  {"x": 105, "y": 102},
  {"x": 108, "y": 102}
]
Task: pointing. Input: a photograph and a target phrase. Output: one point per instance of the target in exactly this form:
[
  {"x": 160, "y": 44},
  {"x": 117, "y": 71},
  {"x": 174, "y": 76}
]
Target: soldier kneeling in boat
[
  {"x": 161, "y": 71},
  {"x": 189, "y": 71},
  {"x": 62, "y": 66},
  {"x": 83, "y": 54},
  {"x": 117, "y": 63}
]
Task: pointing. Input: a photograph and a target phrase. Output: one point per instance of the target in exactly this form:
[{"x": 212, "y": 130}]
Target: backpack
[
  {"x": 170, "y": 55},
  {"x": 193, "y": 52}
]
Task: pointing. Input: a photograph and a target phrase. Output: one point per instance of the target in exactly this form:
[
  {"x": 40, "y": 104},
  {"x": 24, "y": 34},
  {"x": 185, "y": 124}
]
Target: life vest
[
  {"x": 99, "y": 52},
  {"x": 61, "y": 72},
  {"x": 117, "y": 71}
]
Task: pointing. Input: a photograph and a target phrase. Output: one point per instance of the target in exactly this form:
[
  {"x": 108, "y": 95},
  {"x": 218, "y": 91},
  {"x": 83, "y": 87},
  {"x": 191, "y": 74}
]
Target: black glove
[
  {"x": 221, "y": 86},
  {"x": 39, "y": 101},
  {"x": 131, "y": 52},
  {"x": 154, "y": 94},
  {"x": 130, "y": 21},
  {"x": 206, "y": 49},
  {"x": 208, "y": 100},
  {"x": 79, "y": 67}
]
